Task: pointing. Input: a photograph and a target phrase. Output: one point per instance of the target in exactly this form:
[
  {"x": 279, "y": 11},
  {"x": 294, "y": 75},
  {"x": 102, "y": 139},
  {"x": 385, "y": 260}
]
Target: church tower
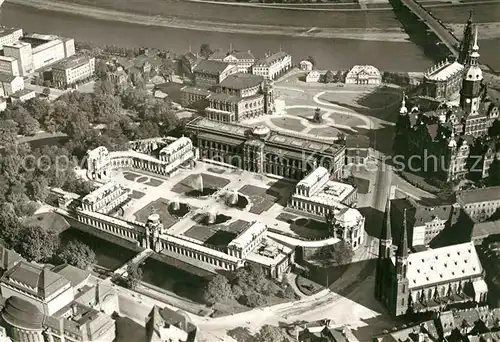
[
  {"x": 401, "y": 299},
  {"x": 470, "y": 95},
  {"x": 403, "y": 110},
  {"x": 467, "y": 41},
  {"x": 383, "y": 272}
]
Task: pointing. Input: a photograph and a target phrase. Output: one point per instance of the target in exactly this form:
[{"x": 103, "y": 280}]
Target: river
[{"x": 329, "y": 53}]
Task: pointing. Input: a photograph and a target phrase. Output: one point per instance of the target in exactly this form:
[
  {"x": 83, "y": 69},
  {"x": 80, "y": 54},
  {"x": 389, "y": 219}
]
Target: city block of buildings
[
  {"x": 234, "y": 86},
  {"x": 47, "y": 304},
  {"x": 452, "y": 140},
  {"x": 481, "y": 324},
  {"x": 426, "y": 280}
]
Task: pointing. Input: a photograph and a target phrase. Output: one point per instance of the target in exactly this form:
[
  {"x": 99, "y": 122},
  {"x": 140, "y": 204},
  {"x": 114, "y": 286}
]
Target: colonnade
[
  {"x": 115, "y": 229},
  {"x": 204, "y": 256}
]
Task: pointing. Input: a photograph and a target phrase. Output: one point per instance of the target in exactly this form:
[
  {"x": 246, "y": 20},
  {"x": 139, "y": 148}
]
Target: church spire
[
  {"x": 403, "y": 109},
  {"x": 474, "y": 56},
  {"x": 386, "y": 225},
  {"x": 403, "y": 244},
  {"x": 466, "y": 44}
]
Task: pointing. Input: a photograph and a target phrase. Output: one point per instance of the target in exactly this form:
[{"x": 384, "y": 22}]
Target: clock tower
[{"x": 470, "y": 95}]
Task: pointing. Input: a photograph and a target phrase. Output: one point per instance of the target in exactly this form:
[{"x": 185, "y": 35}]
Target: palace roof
[
  {"x": 366, "y": 69},
  {"x": 8, "y": 258},
  {"x": 72, "y": 62},
  {"x": 285, "y": 141},
  {"x": 443, "y": 265},
  {"x": 241, "y": 81},
  {"x": 38, "y": 281},
  {"x": 248, "y": 234},
  {"x": 7, "y": 78},
  {"x": 272, "y": 59},
  {"x": 222, "y": 97},
  {"x": 211, "y": 67},
  {"x": 478, "y": 195},
  {"x": 23, "y": 314},
  {"x": 444, "y": 71},
  {"x": 318, "y": 174}
]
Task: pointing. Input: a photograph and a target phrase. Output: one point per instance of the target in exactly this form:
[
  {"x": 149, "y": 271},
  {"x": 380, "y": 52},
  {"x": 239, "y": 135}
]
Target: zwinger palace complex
[{"x": 263, "y": 150}]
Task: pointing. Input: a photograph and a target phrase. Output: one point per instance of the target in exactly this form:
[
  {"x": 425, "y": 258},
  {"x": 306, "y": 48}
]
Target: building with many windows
[
  {"x": 9, "y": 66},
  {"x": 72, "y": 70},
  {"x": 443, "y": 137},
  {"x": 209, "y": 73},
  {"x": 35, "y": 51},
  {"x": 424, "y": 223},
  {"x": 429, "y": 280},
  {"x": 357, "y": 149},
  {"x": 169, "y": 325},
  {"x": 259, "y": 149},
  {"x": 363, "y": 74},
  {"x": 9, "y": 35},
  {"x": 273, "y": 66},
  {"x": 480, "y": 204},
  {"x": 105, "y": 198},
  {"x": 240, "y": 96},
  {"x": 443, "y": 80},
  {"x": 242, "y": 59},
  {"x": 348, "y": 225},
  {"x": 158, "y": 155}
]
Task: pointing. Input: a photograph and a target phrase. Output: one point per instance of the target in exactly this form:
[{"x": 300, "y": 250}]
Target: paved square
[{"x": 191, "y": 182}]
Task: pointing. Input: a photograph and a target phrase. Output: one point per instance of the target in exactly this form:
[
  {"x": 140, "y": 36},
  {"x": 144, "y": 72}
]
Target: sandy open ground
[{"x": 486, "y": 30}]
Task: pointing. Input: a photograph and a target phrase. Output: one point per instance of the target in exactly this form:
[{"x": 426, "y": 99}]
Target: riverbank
[{"x": 389, "y": 34}]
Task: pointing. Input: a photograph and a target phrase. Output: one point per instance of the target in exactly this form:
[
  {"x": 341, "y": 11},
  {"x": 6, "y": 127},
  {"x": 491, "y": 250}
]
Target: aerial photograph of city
[{"x": 250, "y": 170}]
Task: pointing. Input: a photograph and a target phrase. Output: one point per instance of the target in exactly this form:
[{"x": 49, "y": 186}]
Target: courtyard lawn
[
  {"x": 289, "y": 123},
  {"x": 130, "y": 176},
  {"x": 309, "y": 228},
  {"x": 324, "y": 131},
  {"x": 261, "y": 199},
  {"x": 190, "y": 183},
  {"x": 136, "y": 194},
  {"x": 154, "y": 182},
  {"x": 160, "y": 206},
  {"x": 47, "y": 221},
  {"x": 344, "y": 119},
  {"x": 216, "y": 234},
  {"x": 142, "y": 179}
]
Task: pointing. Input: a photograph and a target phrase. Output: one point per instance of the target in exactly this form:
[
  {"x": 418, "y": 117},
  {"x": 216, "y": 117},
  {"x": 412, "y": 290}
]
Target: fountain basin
[
  {"x": 236, "y": 200},
  {"x": 178, "y": 209},
  {"x": 201, "y": 193}
]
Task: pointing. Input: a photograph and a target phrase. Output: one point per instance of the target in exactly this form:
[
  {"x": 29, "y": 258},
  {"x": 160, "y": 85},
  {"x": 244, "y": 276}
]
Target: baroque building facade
[
  {"x": 262, "y": 150},
  {"x": 441, "y": 139}
]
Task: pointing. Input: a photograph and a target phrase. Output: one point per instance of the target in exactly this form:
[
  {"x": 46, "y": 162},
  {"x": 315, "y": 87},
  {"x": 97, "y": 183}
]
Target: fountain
[
  {"x": 234, "y": 199},
  {"x": 211, "y": 217},
  {"x": 199, "y": 190},
  {"x": 178, "y": 209}
]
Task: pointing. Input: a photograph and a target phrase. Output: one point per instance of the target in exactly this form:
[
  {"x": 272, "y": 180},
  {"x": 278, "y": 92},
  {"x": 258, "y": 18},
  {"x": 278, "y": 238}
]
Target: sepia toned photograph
[{"x": 249, "y": 170}]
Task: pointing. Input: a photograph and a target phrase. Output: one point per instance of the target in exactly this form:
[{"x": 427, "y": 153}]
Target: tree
[
  {"x": 46, "y": 91},
  {"x": 134, "y": 276},
  {"x": 339, "y": 76},
  {"x": 38, "y": 244},
  {"x": 101, "y": 69},
  {"x": 329, "y": 77},
  {"x": 271, "y": 333},
  {"x": 494, "y": 130},
  {"x": 342, "y": 253},
  {"x": 312, "y": 60},
  {"x": 254, "y": 299},
  {"x": 77, "y": 254},
  {"x": 8, "y": 133},
  {"x": 39, "y": 188},
  {"x": 10, "y": 226},
  {"x": 205, "y": 50},
  {"x": 217, "y": 290},
  {"x": 28, "y": 125}
]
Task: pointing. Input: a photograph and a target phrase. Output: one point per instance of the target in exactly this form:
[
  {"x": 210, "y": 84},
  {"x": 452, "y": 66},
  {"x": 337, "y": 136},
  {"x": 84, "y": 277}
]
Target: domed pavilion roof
[{"x": 22, "y": 314}]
